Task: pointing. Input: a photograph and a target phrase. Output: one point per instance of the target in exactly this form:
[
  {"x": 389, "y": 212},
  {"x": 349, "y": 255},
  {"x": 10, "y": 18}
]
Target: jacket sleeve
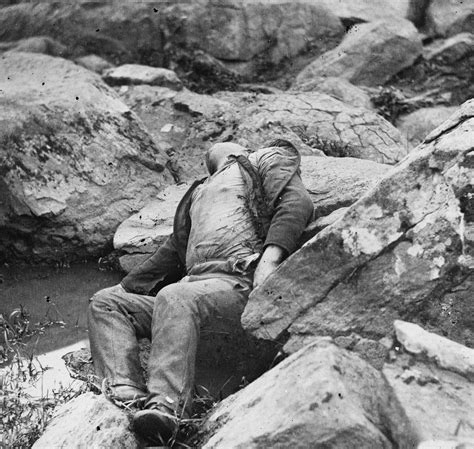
[
  {"x": 160, "y": 269},
  {"x": 292, "y": 212}
]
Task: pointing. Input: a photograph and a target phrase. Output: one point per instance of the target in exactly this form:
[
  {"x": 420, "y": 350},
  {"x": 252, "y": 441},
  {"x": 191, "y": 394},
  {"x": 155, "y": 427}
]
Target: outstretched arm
[{"x": 293, "y": 211}]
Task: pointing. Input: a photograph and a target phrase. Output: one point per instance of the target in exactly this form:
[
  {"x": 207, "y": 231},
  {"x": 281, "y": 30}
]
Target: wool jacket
[{"x": 278, "y": 202}]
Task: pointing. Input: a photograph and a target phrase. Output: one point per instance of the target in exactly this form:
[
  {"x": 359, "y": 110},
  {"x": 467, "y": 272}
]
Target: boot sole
[{"x": 152, "y": 426}]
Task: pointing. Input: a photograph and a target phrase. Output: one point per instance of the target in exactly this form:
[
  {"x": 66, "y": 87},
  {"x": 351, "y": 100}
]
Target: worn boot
[{"x": 156, "y": 424}]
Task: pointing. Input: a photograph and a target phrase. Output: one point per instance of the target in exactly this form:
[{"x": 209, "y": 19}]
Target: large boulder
[
  {"x": 119, "y": 32},
  {"x": 184, "y": 124},
  {"x": 450, "y": 17},
  {"x": 74, "y": 160},
  {"x": 370, "y": 54},
  {"x": 89, "y": 421},
  {"x": 405, "y": 249},
  {"x": 243, "y": 30},
  {"x": 335, "y": 182},
  {"x": 321, "y": 397},
  {"x": 318, "y": 120},
  {"x": 418, "y": 124},
  {"x": 437, "y": 396}
]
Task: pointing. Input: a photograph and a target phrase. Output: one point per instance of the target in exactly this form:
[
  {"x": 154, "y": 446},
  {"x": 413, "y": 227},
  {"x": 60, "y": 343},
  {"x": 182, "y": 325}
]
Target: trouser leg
[
  {"x": 180, "y": 311},
  {"x": 117, "y": 320}
]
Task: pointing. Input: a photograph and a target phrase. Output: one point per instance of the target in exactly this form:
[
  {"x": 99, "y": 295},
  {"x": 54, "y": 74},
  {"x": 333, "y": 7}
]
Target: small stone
[
  {"x": 142, "y": 74},
  {"x": 167, "y": 128}
]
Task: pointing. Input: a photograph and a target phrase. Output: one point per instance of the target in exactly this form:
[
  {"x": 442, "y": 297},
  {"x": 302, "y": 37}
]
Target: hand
[{"x": 271, "y": 258}]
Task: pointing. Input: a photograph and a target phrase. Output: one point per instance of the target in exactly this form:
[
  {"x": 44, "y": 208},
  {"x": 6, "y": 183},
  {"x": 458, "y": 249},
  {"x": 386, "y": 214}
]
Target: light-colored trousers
[{"x": 172, "y": 320}]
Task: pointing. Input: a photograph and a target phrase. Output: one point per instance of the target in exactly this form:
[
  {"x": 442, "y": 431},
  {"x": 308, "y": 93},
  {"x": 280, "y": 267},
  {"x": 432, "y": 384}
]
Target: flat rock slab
[
  {"x": 88, "y": 421},
  {"x": 405, "y": 249},
  {"x": 321, "y": 397},
  {"x": 335, "y": 182},
  {"x": 438, "y": 403},
  {"x": 75, "y": 160},
  {"x": 369, "y": 55},
  {"x": 142, "y": 74},
  {"x": 443, "y": 352}
]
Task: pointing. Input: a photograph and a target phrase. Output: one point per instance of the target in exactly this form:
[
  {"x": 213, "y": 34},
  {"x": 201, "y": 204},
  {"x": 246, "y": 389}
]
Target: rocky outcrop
[
  {"x": 252, "y": 31},
  {"x": 89, "y": 421},
  {"x": 118, "y": 32},
  {"x": 184, "y": 124},
  {"x": 418, "y": 124},
  {"x": 429, "y": 375},
  {"x": 447, "y": 18},
  {"x": 370, "y": 54},
  {"x": 322, "y": 396},
  {"x": 405, "y": 249},
  {"x": 339, "y": 88},
  {"x": 142, "y": 74},
  {"x": 74, "y": 160}
]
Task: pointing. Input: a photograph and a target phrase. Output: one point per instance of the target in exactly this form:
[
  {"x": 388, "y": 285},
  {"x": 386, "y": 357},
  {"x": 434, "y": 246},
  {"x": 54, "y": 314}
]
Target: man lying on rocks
[{"x": 231, "y": 230}]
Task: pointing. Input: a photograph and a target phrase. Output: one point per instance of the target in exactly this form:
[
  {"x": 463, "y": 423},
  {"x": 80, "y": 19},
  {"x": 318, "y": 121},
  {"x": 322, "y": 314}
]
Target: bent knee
[
  {"x": 176, "y": 298},
  {"x": 105, "y": 296}
]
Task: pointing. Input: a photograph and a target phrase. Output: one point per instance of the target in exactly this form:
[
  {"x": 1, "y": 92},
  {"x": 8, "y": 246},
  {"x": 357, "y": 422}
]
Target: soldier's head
[{"x": 217, "y": 155}]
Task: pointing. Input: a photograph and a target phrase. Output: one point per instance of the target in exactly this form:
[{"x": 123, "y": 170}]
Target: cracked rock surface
[
  {"x": 405, "y": 249},
  {"x": 348, "y": 399},
  {"x": 74, "y": 160},
  {"x": 185, "y": 124}
]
